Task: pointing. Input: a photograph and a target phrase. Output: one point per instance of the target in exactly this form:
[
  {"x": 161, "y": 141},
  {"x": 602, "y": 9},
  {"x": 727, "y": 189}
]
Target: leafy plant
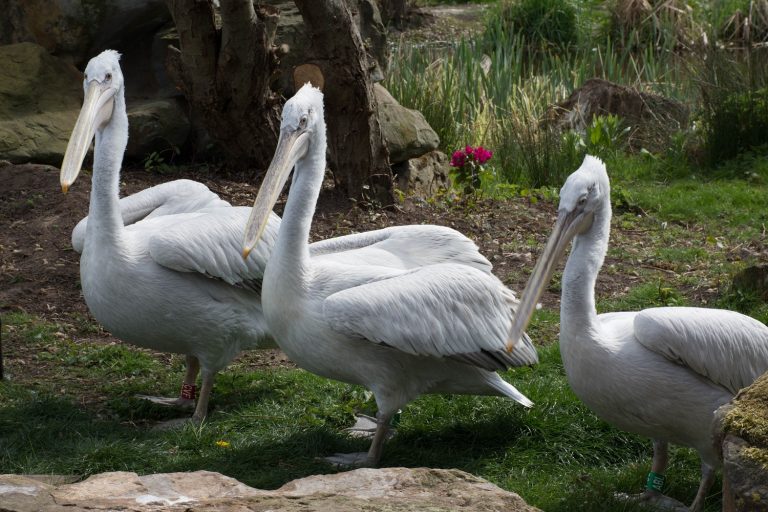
[
  {"x": 468, "y": 164},
  {"x": 737, "y": 122},
  {"x": 540, "y": 23}
]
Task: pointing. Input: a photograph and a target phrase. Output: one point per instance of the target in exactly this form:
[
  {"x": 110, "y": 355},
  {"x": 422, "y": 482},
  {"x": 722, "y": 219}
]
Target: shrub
[
  {"x": 658, "y": 24},
  {"x": 737, "y": 122},
  {"x": 540, "y": 23}
]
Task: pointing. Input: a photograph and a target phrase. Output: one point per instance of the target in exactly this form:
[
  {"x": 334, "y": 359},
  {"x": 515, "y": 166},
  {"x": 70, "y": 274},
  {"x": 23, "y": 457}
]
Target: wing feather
[
  {"x": 174, "y": 197},
  {"x": 211, "y": 244},
  {"x": 404, "y": 247},
  {"x": 443, "y": 310},
  {"x": 726, "y": 347}
]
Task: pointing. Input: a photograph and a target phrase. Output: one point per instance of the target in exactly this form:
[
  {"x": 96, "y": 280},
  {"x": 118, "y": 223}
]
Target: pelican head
[
  {"x": 101, "y": 82},
  {"x": 585, "y": 193},
  {"x": 302, "y": 126}
]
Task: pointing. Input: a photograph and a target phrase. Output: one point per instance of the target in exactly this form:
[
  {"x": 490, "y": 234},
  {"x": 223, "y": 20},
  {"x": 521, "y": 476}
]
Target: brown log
[
  {"x": 358, "y": 155},
  {"x": 226, "y": 74}
]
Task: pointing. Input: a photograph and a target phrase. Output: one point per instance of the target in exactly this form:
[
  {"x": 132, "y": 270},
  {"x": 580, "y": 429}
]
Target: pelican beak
[
  {"x": 291, "y": 146},
  {"x": 97, "y": 108},
  {"x": 567, "y": 226}
]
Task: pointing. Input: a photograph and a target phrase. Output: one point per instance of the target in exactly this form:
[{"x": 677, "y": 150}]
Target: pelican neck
[
  {"x": 105, "y": 221},
  {"x": 578, "y": 314},
  {"x": 292, "y": 247}
]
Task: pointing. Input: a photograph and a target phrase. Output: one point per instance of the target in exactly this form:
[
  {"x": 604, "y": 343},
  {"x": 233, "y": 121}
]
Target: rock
[
  {"x": 388, "y": 489},
  {"x": 75, "y": 30},
  {"x": 745, "y": 448},
  {"x": 652, "y": 118},
  {"x": 158, "y": 125},
  {"x": 753, "y": 279},
  {"x": 425, "y": 175},
  {"x": 40, "y": 98},
  {"x": 406, "y": 132}
]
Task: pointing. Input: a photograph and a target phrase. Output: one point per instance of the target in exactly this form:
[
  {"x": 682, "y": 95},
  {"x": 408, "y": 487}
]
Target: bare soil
[{"x": 39, "y": 270}]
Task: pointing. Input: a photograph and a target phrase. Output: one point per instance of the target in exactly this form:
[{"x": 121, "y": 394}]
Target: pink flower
[
  {"x": 482, "y": 155},
  {"x": 469, "y": 151},
  {"x": 458, "y": 159}
]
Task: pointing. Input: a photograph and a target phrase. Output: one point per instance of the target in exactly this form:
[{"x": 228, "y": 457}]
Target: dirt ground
[{"x": 39, "y": 270}]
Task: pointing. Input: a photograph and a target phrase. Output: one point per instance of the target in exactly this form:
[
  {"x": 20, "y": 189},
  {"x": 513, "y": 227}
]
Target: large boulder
[
  {"x": 406, "y": 132},
  {"x": 389, "y": 489},
  {"x": 156, "y": 126},
  {"x": 745, "y": 448},
  {"x": 754, "y": 280},
  {"x": 424, "y": 176},
  {"x": 40, "y": 98},
  {"x": 651, "y": 118},
  {"x": 75, "y": 30}
]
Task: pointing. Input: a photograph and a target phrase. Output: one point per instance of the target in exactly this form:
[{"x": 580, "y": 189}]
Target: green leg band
[{"x": 655, "y": 481}]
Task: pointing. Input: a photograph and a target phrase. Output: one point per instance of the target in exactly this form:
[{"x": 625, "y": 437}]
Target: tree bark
[
  {"x": 358, "y": 154},
  {"x": 226, "y": 74}
]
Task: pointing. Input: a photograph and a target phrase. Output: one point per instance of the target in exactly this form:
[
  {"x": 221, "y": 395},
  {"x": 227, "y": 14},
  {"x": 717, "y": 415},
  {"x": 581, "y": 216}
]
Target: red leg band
[{"x": 188, "y": 391}]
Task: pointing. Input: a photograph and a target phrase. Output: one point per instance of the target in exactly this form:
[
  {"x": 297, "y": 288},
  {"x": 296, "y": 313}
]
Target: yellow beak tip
[
  {"x": 64, "y": 188},
  {"x": 246, "y": 252},
  {"x": 510, "y": 346}
]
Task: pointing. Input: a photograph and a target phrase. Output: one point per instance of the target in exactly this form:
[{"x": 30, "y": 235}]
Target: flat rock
[
  {"x": 387, "y": 489},
  {"x": 40, "y": 98},
  {"x": 753, "y": 279},
  {"x": 159, "y": 125},
  {"x": 424, "y": 176},
  {"x": 406, "y": 131}
]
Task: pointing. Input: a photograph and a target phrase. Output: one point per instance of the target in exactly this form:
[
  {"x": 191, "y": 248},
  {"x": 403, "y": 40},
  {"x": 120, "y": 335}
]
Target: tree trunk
[
  {"x": 394, "y": 11},
  {"x": 358, "y": 154},
  {"x": 226, "y": 74}
]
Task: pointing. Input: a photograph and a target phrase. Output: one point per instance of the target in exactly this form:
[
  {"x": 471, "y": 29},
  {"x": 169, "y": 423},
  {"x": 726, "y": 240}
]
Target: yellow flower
[{"x": 222, "y": 444}]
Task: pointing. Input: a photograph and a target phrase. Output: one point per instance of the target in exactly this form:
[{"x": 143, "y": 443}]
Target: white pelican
[
  {"x": 438, "y": 327},
  {"x": 660, "y": 372},
  {"x": 173, "y": 279},
  {"x": 146, "y": 257}
]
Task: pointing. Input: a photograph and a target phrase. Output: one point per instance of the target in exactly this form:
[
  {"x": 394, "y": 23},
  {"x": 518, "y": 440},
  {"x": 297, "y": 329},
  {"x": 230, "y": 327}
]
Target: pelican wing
[
  {"x": 404, "y": 247},
  {"x": 210, "y": 243},
  {"x": 444, "y": 310},
  {"x": 726, "y": 347},
  {"x": 174, "y": 197}
]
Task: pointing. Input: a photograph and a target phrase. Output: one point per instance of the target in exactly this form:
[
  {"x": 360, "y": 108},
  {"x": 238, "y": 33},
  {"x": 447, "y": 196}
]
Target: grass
[{"x": 274, "y": 424}]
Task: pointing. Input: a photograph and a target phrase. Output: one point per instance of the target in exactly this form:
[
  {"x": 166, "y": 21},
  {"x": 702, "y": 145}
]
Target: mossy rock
[
  {"x": 745, "y": 449},
  {"x": 40, "y": 97}
]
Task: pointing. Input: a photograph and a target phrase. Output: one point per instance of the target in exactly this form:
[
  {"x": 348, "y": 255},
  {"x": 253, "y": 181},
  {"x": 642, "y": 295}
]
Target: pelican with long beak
[
  {"x": 661, "y": 372},
  {"x": 405, "y": 311},
  {"x": 162, "y": 269}
]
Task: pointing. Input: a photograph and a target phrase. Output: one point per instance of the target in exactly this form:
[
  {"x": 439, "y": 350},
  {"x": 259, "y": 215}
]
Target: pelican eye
[
  {"x": 108, "y": 77},
  {"x": 303, "y": 121},
  {"x": 85, "y": 76},
  {"x": 582, "y": 200}
]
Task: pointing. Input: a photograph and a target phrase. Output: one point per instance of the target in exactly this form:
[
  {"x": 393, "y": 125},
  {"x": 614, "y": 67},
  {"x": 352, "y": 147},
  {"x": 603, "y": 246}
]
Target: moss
[
  {"x": 757, "y": 455},
  {"x": 748, "y": 418}
]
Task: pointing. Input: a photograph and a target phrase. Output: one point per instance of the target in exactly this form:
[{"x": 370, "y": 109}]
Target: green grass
[{"x": 275, "y": 424}]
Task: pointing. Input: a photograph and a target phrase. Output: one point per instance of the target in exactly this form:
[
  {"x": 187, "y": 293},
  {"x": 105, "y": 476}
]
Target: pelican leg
[
  {"x": 651, "y": 496},
  {"x": 707, "y": 478},
  {"x": 372, "y": 457},
  {"x": 382, "y": 429},
  {"x": 201, "y": 411},
  {"x": 186, "y": 398},
  {"x": 658, "y": 466}
]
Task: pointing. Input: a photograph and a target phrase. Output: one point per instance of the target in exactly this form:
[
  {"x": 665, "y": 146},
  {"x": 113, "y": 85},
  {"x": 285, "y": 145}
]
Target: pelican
[
  {"x": 439, "y": 326},
  {"x": 661, "y": 372},
  {"x": 172, "y": 279},
  {"x": 162, "y": 268}
]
